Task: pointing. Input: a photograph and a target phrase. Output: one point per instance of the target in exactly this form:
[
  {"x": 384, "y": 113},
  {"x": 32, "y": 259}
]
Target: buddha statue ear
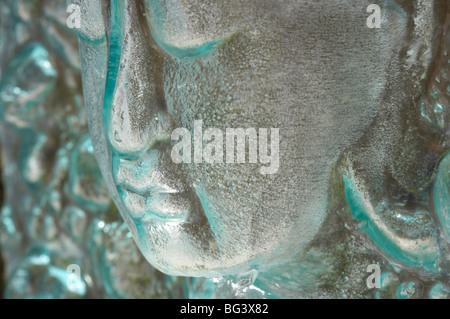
[
  {"x": 419, "y": 46},
  {"x": 435, "y": 100}
]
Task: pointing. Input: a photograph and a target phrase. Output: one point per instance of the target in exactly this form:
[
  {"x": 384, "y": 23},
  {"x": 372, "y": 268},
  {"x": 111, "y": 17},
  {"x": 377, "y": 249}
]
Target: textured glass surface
[{"x": 351, "y": 201}]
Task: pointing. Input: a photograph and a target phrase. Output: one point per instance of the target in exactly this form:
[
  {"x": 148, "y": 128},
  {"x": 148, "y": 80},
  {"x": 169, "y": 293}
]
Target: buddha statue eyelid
[{"x": 133, "y": 99}]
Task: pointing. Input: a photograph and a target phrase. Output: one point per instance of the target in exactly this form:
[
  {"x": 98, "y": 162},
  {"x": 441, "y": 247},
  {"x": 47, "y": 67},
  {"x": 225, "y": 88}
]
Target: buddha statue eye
[{"x": 179, "y": 29}]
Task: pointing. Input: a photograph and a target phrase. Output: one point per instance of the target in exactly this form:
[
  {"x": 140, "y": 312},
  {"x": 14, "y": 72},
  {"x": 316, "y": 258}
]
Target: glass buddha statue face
[{"x": 311, "y": 71}]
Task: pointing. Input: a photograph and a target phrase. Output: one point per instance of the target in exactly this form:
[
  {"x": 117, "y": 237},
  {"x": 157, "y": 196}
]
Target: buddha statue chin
[{"x": 343, "y": 97}]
